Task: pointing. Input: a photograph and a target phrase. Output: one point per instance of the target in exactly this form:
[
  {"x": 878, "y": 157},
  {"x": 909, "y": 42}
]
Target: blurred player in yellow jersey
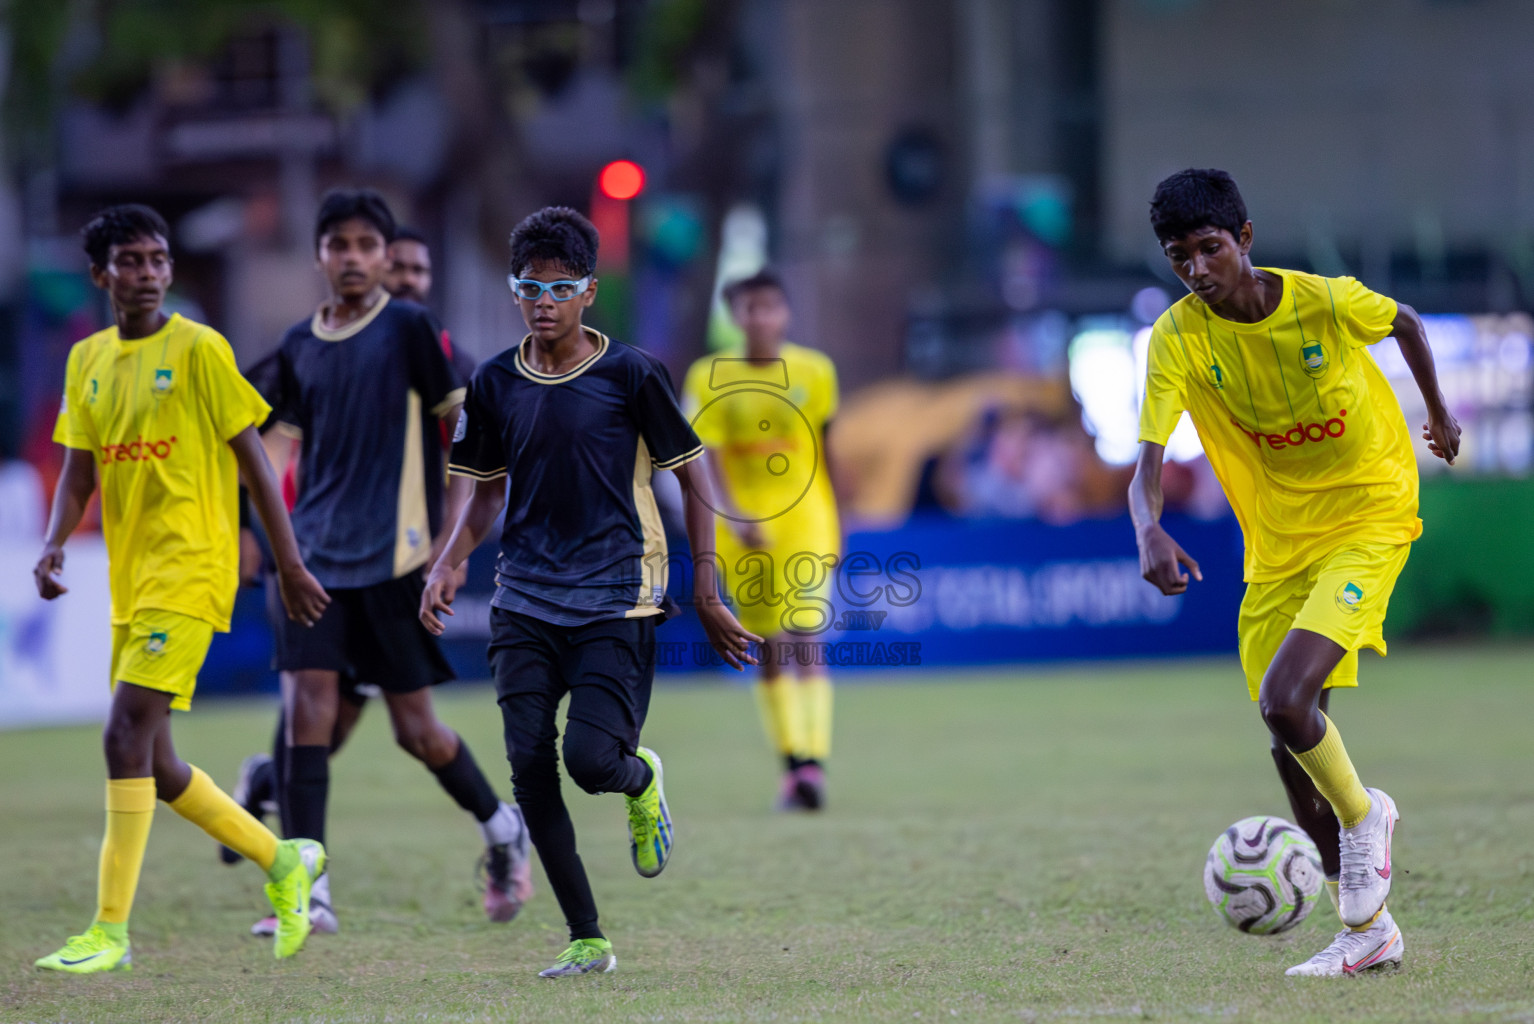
[
  {"x": 1307, "y": 439},
  {"x": 763, "y": 414},
  {"x": 157, "y": 416}
]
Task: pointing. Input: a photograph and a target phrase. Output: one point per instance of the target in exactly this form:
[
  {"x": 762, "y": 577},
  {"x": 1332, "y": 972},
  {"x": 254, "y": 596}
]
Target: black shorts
[
  {"x": 372, "y": 634},
  {"x": 606, "y": 667}
]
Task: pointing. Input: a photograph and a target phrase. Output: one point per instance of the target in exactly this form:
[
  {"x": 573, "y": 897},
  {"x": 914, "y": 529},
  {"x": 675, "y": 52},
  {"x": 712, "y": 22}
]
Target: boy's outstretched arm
[
  {"x": 473, "y": 525},
  {"x": 302, "y": 595},
  {"x": 1441, "y": 431},
  {"x": 727, "y": 635},
  {"x": 76, "y": 484},
  {"x": 1161, "y": 559}
]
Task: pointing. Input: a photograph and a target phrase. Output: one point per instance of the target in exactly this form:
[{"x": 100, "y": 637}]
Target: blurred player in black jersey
[
  {"x": 363, "y": 385},
  {"x": 563, "y": 432},
  {"x": 408, "y": 277}
]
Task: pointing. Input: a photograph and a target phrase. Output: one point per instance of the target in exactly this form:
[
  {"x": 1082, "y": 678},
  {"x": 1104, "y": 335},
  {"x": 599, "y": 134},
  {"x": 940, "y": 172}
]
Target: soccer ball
[{"x": 1263, "y": 875}]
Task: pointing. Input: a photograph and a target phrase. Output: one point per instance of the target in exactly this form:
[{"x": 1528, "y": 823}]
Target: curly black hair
[
  {"x": 1193, "y": 199},
  {"x": 555, "y": 235},
  {"x": 119, "y": 225},
  {"x": 343, "y": 204}
]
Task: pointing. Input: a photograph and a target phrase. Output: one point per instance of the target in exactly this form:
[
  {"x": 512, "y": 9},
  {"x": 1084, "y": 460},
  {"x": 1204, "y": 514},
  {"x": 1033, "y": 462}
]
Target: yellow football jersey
[
  {"x": 157, "y": 414},
  {"x": 1298, "y": 422},
  {"x": 765, "y": 422}
]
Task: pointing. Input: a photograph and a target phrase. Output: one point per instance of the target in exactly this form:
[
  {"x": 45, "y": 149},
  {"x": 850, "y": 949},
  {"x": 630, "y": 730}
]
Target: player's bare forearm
[
  {"x": 481, "y": 503},
  {"x": 1161, "y": 559},
  {"x": 698, "y": 504},
  {"x": 77, "y": 482},
  {"x": 725, "y": 633},
  {"x": 265, "y": 496},
  {"x": 302, "y": 595},
  {"x": 1441, "y": 431},
  {"x": 474, "y": 523}
]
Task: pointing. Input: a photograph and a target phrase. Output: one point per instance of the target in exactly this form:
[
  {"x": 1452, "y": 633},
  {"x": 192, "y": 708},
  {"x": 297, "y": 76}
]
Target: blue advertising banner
[
  {"x": 955, "y": 592},
  {"x": 932, "y": 593}
]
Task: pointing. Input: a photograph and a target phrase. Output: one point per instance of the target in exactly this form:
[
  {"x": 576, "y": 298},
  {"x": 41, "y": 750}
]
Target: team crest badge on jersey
[
  {"x": 1313, "y": 358},
  {"x": 157, "y": 641},
  {"x": 90, "y": 399},
  {"x": 164, "y": 382},
  {"x": 1350, "y": 596},
  {"x": 1216, "y": 377}
]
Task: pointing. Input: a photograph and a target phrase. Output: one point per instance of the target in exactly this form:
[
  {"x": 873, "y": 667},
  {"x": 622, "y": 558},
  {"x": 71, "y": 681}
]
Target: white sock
[{"x": 503, "y": 828}]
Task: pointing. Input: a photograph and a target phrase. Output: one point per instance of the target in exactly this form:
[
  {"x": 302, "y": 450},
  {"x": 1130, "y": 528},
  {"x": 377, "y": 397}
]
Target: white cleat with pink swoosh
[
  {"x": 1351, "y": 952},
  {"x": 1365, "y": 879}
]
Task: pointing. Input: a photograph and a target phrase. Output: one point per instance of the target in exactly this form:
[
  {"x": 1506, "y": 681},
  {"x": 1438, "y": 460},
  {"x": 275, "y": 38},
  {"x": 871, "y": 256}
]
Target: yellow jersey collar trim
[
  {"x": 320, "y": 331},
  {"x": 570, "y": 374},
  {"x": 1279, "y": 311},
  {"x": 171, "y": 323}
]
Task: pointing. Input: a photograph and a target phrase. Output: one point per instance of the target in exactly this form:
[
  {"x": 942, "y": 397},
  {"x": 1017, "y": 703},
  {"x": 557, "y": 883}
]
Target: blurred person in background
[
  {"x": 155, "y": 413},
  {"x": 764, "y": 419},
  {"x": 364, "y": 385},
  {"x": 1309, "y": 443},
  {"x": 408, "y": 278}
]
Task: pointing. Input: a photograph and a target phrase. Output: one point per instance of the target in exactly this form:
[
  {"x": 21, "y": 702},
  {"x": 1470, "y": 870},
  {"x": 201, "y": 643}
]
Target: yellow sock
[
  {"x": 779, "y": 705},
  {"x": 1329, "y": 767},
  {"x": 815, "y": 705},
  {"x": 130, "y": 811},
  {"x": 216, "y": 813}
]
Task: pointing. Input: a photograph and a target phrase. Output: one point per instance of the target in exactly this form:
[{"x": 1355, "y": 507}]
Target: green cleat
[
  {"x": 86, "y": 954},
  {"x": 650, "y": 821},
  {"x": 585, "y": 956},
  {"x": 289, "y": 896}
]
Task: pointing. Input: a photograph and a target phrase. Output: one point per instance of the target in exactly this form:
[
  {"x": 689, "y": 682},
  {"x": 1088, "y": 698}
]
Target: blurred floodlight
[
  {"x": 621, "y": 179},
  {"x": 1102, "y": 367}
]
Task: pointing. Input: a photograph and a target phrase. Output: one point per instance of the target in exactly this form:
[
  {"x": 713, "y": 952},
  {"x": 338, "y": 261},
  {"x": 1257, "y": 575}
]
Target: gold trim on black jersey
[
  {"x": 538, "y": 377},
  {"x": 320, "y": 331}
]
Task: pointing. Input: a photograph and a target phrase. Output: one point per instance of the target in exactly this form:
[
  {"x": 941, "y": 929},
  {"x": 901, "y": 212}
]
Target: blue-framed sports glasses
[{"x": 532, "y": 291}]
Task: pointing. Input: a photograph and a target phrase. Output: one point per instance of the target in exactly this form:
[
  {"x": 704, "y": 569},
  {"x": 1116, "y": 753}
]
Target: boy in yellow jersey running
[
  {"x": 1309, "y": 443},
  {"x": 764, "y": 419},
  {"x": 155, "y": 410}
]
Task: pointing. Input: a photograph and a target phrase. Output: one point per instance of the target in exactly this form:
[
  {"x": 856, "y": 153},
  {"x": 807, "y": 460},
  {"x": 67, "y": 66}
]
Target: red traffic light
[{"x": 621, "y": 179}]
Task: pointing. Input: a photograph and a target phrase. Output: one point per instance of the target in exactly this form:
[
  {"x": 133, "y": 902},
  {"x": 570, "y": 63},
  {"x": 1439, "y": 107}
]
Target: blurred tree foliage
[{"x": 109, "y": 51}]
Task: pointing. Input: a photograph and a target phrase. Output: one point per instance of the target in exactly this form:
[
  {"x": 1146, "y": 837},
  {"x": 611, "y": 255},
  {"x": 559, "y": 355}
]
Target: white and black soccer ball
[{"x": 1263, "y": 875}]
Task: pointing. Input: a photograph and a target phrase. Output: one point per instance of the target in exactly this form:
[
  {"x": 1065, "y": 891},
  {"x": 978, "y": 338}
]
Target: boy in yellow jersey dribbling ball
[
  {"x": 1308, "y": 441},
  {"x": 156, "y": 414}
]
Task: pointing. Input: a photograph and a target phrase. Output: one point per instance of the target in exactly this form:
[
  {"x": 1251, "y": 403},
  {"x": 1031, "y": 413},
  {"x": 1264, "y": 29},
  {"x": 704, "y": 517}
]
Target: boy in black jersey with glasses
[{"x": 563, "y": 432}]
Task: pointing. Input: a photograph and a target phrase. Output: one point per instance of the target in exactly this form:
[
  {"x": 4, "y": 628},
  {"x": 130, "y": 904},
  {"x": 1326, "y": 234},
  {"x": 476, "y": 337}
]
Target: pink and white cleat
[
  {"x": 1352, "y": 952},
  {"x": 1365, "y": 878}
]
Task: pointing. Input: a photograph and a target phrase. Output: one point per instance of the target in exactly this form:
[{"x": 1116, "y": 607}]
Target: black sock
[
  {"x": 280, "y": 772},
  {"x": 467, "y": 785},
  {"x": 793, "y": 763},
  {"x": 308, "y": 787}
]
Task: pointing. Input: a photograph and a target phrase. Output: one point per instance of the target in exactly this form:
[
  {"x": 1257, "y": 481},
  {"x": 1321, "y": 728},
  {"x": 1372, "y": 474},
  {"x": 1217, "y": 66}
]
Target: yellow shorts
[
  {"x": 783, "y": 588},
  {"x": 1343, "y": 597},
  {"x": 163, "y": 651}
]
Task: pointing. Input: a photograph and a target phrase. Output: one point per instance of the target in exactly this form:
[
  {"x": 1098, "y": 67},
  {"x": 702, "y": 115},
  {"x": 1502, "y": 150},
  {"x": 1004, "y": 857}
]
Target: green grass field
[{"x": 1015, "y": 844}]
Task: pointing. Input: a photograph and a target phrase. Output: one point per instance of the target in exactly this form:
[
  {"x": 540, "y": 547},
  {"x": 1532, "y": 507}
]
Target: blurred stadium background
[{"x": 955, "y": 192}]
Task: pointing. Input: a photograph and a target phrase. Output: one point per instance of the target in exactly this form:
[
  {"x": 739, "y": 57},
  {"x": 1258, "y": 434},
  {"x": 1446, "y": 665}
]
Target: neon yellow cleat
[
  {"x": 584, "y": 956},
  {"x": 289, "y": 897},
  {"x": 650, "y": 821},
  {"x": 86, "y": 954}
]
